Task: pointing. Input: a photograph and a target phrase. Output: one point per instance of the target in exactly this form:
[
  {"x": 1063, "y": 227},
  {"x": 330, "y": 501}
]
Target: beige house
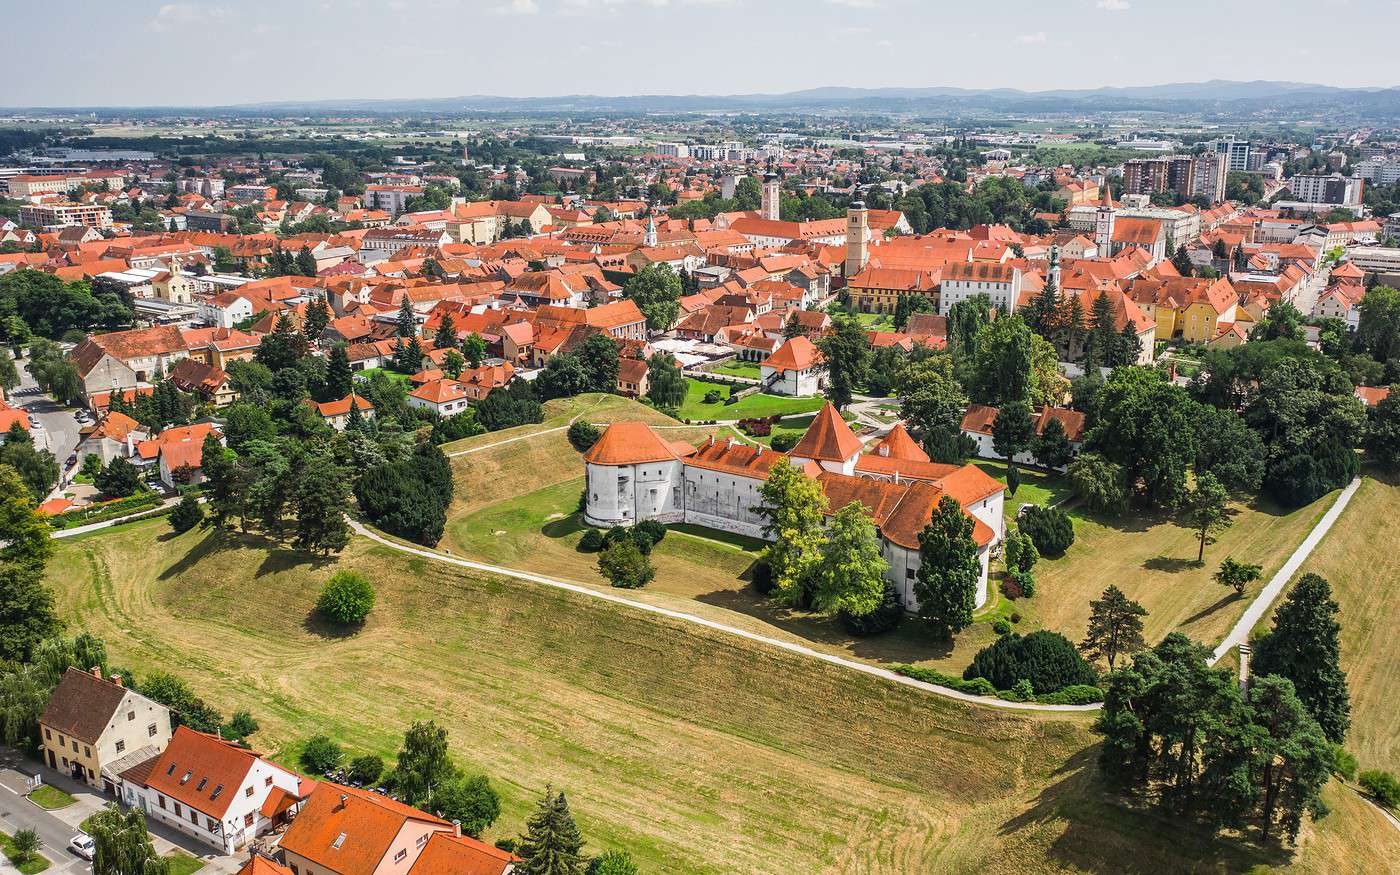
[{"x": 94, "y": 728}]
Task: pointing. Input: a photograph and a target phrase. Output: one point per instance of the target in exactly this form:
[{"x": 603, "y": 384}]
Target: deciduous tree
[{"x": 850, "y": 576}]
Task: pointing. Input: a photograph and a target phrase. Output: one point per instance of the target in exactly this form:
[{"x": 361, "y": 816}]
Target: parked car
[
  {"x": 83, "y": 845},
  {"x": 72, "y": 460}
]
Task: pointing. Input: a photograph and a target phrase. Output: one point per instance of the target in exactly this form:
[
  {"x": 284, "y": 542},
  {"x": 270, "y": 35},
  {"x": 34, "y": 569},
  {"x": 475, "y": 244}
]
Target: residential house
[
  {"x": 210, "y": 382},
  {"x": 337, "y": 413},
  {"x": 92, "y": 727},
  {"x": 443, "y": 397},
  {"x": 178, "y": 453},
  {"x": 633, "y": 377},
  {"x": 795, "y": 368},
  {"x": 979, "y": 419},
  {"x": 127, "y": 359}
]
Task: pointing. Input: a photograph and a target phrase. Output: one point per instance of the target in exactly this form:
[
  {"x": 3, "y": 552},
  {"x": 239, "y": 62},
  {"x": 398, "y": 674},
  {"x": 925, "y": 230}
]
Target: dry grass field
[{"x": 699, "y": 752}]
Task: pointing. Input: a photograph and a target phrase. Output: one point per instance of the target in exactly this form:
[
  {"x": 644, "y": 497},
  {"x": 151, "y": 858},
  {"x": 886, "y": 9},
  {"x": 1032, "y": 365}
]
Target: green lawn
[
  {"x": 36, "y": 862},
  {"x": 877, "y": 321},
  {"x": 750, "y": 406},
  {"x": 740, "y": 369},
  {"x": 794, "y": 425},
  {"x": 183, "y": 864},
  {"x": 368, "y": 373},
  {"x": 52, "y": 798},
  {"x": 1037, "y": 487}
]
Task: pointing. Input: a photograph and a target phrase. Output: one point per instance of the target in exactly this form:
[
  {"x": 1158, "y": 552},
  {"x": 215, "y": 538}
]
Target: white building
[
  {"x": 963, "y": 281},
  {"x": 211, "y": 789},
  {"x": 794, "y": 369},
  {"x": 1332, "y": 188},
  {"x": 633, "y": 474},
  {"x": 1379, "y": 171}
]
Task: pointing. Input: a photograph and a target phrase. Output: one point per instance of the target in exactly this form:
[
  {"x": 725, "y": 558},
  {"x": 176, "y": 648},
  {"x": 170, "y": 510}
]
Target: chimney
[
  {"x": 1245, "y": 652},
  {"x": 457, "y": 828},
  {"x": 343, "y": 798},
  {"x": 96, "y": 671},
  {"x": 116, "y": 679}
]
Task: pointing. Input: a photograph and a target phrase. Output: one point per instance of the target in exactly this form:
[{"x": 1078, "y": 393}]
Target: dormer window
[
  {"x": 170, "y": 771},
  {"x": 186, "y": 777},
  {"x": 202, "y": 783},
  {"x": 217, "y": 790}
]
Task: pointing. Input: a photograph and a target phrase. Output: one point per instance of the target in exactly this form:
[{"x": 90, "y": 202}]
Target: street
[{"x": 58, "y": 431}]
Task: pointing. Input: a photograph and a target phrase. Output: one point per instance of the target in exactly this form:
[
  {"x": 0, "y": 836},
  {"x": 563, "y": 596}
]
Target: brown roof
[
  {"x": 630, "y": 443},
  {"x": 828, "y": 438},
  {"x": 979, "y": 271},
  {"x": 82, "y": 705},
  {"x": 448, "y": 854}
]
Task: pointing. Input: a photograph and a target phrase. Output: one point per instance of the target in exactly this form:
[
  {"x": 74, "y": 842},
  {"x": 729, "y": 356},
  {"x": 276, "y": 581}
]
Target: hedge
[
  {"x": 1073, "y": 695},
  {"x": 96, "y": 513}
]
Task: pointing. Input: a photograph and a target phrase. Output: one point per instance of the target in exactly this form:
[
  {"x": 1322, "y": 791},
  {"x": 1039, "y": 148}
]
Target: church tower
[
  {"x": 649, "y": 237},
  {"x": 1103, "y": 224},
  {"x": 857, "y": 238},
  {"x": 772, "y": 199}
]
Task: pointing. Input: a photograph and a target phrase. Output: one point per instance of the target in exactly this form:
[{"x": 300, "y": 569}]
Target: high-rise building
[
  {"x": 1237, "y": 154},
  {"x": 1208, "y": 180},
  {"x": 1332, "y": 188}
]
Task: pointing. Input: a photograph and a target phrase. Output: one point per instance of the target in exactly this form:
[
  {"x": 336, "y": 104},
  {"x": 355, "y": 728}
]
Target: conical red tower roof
[{"x": 828, "y": 438}]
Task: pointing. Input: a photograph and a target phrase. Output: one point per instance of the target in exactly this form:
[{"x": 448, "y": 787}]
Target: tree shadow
[
  {"x": 562, "y": 528},
  {"x": 1206, "y": 612},
  {"x": 328, "y": 629},
  {"x": 212, "y": 542},
  {"x": 1169, "y": 564},
  {"x": 1100, "y": 828},
  {"x": 279, "y": 557}
]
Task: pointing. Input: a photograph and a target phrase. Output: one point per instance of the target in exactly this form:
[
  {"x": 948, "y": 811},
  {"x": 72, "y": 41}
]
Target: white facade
[
  {"x": 1004, "y": 295},
  {"x": 804, "y": 383},
  {"x": 239, "y": 825}
]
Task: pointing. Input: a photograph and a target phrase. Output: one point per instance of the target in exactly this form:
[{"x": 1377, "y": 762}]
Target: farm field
[
  {"x": 1360, "y": 560},
  {"x": 698, "y": 751},
  {"x": 754, "y": 405}
]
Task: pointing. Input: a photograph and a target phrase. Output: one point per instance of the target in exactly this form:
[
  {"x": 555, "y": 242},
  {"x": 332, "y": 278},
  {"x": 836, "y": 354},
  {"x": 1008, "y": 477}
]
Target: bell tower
[
  {"x": 1103, "y": 224},
  {"x": 772, "y": 198},
  {"x": 857, "y": 238}
]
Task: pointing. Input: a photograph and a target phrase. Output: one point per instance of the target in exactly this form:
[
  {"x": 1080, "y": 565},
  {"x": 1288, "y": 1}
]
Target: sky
[{"x": 222, "y": 52}]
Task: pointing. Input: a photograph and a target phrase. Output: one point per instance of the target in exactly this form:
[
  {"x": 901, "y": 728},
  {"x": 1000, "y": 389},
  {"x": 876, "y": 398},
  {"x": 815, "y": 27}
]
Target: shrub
[
  {"x": 92, "y": 465},
  {"x": 1075, "y": 694},
  {"x": 1049, "y": 528},
  {"x": 650, "y": 531},
  {"x": 1021, "y": 554},
  {"x": 1001, "y": 627},
  {"x": 186, "y": 515},
  {"x": 1021, "y": 691},
  {"x": 1011, "y": 586},
  {"x": 321, "y": 755},
  {"x": 714, "y": 396},
  {"x": 625, "y": 566},
  {"x": 583, "y": 435},
  {"x": 1382, "y": 785},
  {"x": 612, "y": 863},
  {"x": 732, "y": 399},
  {"x": 239, "y": 726},
  {"x": 785, "y": 441},
  {"x": 1025, "y": 581},
  {"x": 366, "y": 769},
  {"x": 1343, "y": 763},
  {"x": 120, "y": 479},
  {"x": 1046, "y": 659},
  {"x": 879, "y": 621},
  {"x": 591, "y": 542},
  {"x": 1015, "y": 616},
  {"x": 347, "y": 598},
  {"x": 763, "y": 577},
  {"x": 26, "y": 843}
]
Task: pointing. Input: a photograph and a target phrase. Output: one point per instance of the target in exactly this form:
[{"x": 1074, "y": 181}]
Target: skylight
[
  {"x": 339, "y": 840},
  {"x": 202, "y": 782}
]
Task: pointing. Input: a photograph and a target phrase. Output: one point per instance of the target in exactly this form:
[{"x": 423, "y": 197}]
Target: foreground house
[
  {"x": 93, "y": 728},
  {"x": 219, "y": 793},
  {"x": 346, "y": 831},
  {"x": 634, "y": 474}
]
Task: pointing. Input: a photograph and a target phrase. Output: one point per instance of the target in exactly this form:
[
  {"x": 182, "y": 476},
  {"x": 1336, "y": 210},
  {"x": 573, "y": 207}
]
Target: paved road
[
  {"x": 18, "y": 813},
  {"x": 1255, "y": 612},
  {"x": 58, "y": 431}
]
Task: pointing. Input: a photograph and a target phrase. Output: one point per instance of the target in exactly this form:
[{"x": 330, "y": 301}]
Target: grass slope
[
  {"x": 1360, "y": 560},
  {"x": 697, "y": 751}
]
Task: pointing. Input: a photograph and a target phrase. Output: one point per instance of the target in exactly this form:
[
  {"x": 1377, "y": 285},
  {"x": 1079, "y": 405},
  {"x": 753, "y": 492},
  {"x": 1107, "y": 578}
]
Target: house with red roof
[
  {"x": 980, "y": 418},
  {"x": 214, "y": 790},
  {"x": 796, "y": 369},
  {"x": 635, "y": 474}
]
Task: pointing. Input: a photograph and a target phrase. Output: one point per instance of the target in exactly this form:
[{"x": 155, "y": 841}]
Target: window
[
  {"x": 399, "y": 857},
  {"x": 211, "y": 824},
  {"x": 130, "y": 715},
  {"x": 422, "y": 840},
  {"x": 909, "y": 574},
  {"x": 170, "y": 771},
  {"x": 248, "y": 792},
  {"x": 160, "y": 800},
  {"x": 248, "y": 819},
  {"x": 49, "y": 735},
  {"x": 194, "y": 817},
  {"x": 268, "y": 782},
  {"x": 75, "y": 745},
  {"x": 295, "y": 870},
  {"x": 151, "y": 730},
  {"x": 339, "y": 840},
  {"x": 202, "y": 783},
  {"x": 178, "y": 811},
  {"x": 121, "y": 746}
]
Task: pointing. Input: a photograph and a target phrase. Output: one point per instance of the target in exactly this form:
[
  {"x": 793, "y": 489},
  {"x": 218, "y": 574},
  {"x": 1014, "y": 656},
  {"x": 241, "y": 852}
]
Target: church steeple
[{"x": 649, "y": 238}]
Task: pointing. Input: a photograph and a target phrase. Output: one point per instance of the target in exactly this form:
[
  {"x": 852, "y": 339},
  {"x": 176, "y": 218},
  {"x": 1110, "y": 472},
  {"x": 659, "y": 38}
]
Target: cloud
[
  {"x": 518, "y": 7},
  {"x": 855, "y": 4},
  {"x": 1033, "y": 39},
  {"x": 173, "y": 15},
  {"x": 1114, "y": 5}
]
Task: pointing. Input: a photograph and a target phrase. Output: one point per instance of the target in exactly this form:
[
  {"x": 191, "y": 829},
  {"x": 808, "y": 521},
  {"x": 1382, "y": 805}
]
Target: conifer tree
[
  {"x": 949, "y": 571},
  {"x": 1305, "y": 647},
  {"x": 1115, "y": 627},
  {"x": 339, "y": 378},
  {"x": 318, "y": 316},
  {"x": 446, "y": 336},
  {"x": 552, "y": 844},
  {"x": 306, "y": 262},
  {"x": 407, "y": 324}
]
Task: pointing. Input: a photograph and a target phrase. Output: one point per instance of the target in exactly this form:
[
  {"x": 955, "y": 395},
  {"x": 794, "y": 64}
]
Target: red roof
[
  {"x": 200, "y": 770},
  {"x": 630, "y": 443},
  {"x": 797, "y": 354},
  {"x": 828, "y": 438}
]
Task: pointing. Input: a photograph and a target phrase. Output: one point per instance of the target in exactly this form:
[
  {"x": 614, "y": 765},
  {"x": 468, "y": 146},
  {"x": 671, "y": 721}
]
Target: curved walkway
[{"x": 789, "y": 646}]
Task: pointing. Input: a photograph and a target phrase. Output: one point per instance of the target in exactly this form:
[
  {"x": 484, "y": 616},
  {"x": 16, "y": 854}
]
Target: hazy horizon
[{"x": 212, "y": 53}]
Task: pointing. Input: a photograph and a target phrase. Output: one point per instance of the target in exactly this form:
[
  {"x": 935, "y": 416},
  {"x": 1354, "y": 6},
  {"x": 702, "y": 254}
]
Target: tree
[
  {"x": 471, "y": 802},
  {"x": 623, "y": 564},
  {"x": 347, "y": 598},
  {"x": 666, "y": 383},
  {"x": 1206, "y": 509},
  {"x": 1049, "y": 527},
  {"x": 1237, "y": 575},
  {"x": 1382, "y": 785},
  {"x": 366, "y": 769},
  {"x": 563, "y": 376},
  {"x": 1304, "y": 646},
  {"x": 340, "y": 379},
  {"x": 239, "y": 726},
  {"x": 320, "y": 755},
  {"x": 122, "y": 846},
  {"x": 794, "y": 512},
  {"x": 1012, "y": 431},
  {"x": 221, "y": 486},
  {"x": 1378, "y": 331},
  {"x": 453, "y": 363},
  {"x": 1047, "y": 659},
  {"x": 1001, "y": 365},
  {"x": 119, "y": 479},
  {"x": 1382, "y": 442},
  {"x": 319, "y": 500},
  {"x": 37, "y": 468},
  {"x": 318, "y": 316},
  {"x": 446, "y": 335},
  {"x": 583, "y": 435},
  {"x": 186, "y": 709},
  {"x": 850, "y": 575},
  {"x": 656, "y": 290},
  {"x": 613, "y": 862},
  {"x": 949, "y": 569},
  {"x": 1115, "y": 627},
  {"x": 1295, "y": 757},
  {"x": 1228, "y": 449},
  {"x": 599, "y": 357},
  {"x": 9, "y": 374},
  {"x": 25, "y": 843},
  {"x": 1052, "y": 448},
  {"x": 846, "y": 352},
  {"x": 474, "y": 349},
  {"x": 1146, "y": 425},
  {"x": 552, "y": 843},
  {"x": 1181, "y": 260},
  {"x": 26, "y": 605},
  {"x": 406, "y": 324},
  {"x": 932, "y": 408},
  {"x": 186, "y": 515},
  {"x": 423, "y": 766}
]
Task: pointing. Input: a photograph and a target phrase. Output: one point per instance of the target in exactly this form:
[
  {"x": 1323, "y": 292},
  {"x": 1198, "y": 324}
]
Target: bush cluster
[{"x": 1045, "y": 659}]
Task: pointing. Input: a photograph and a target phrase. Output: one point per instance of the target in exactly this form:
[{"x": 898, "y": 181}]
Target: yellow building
[
  {"x": 1188, "y": 308},
  {"x": 94, "y": 727},
  {"x": 878, "y": 289}
]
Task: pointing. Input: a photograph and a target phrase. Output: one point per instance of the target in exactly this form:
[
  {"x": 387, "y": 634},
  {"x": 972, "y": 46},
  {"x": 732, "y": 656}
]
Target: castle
[{"x": 635, "y": 474}]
